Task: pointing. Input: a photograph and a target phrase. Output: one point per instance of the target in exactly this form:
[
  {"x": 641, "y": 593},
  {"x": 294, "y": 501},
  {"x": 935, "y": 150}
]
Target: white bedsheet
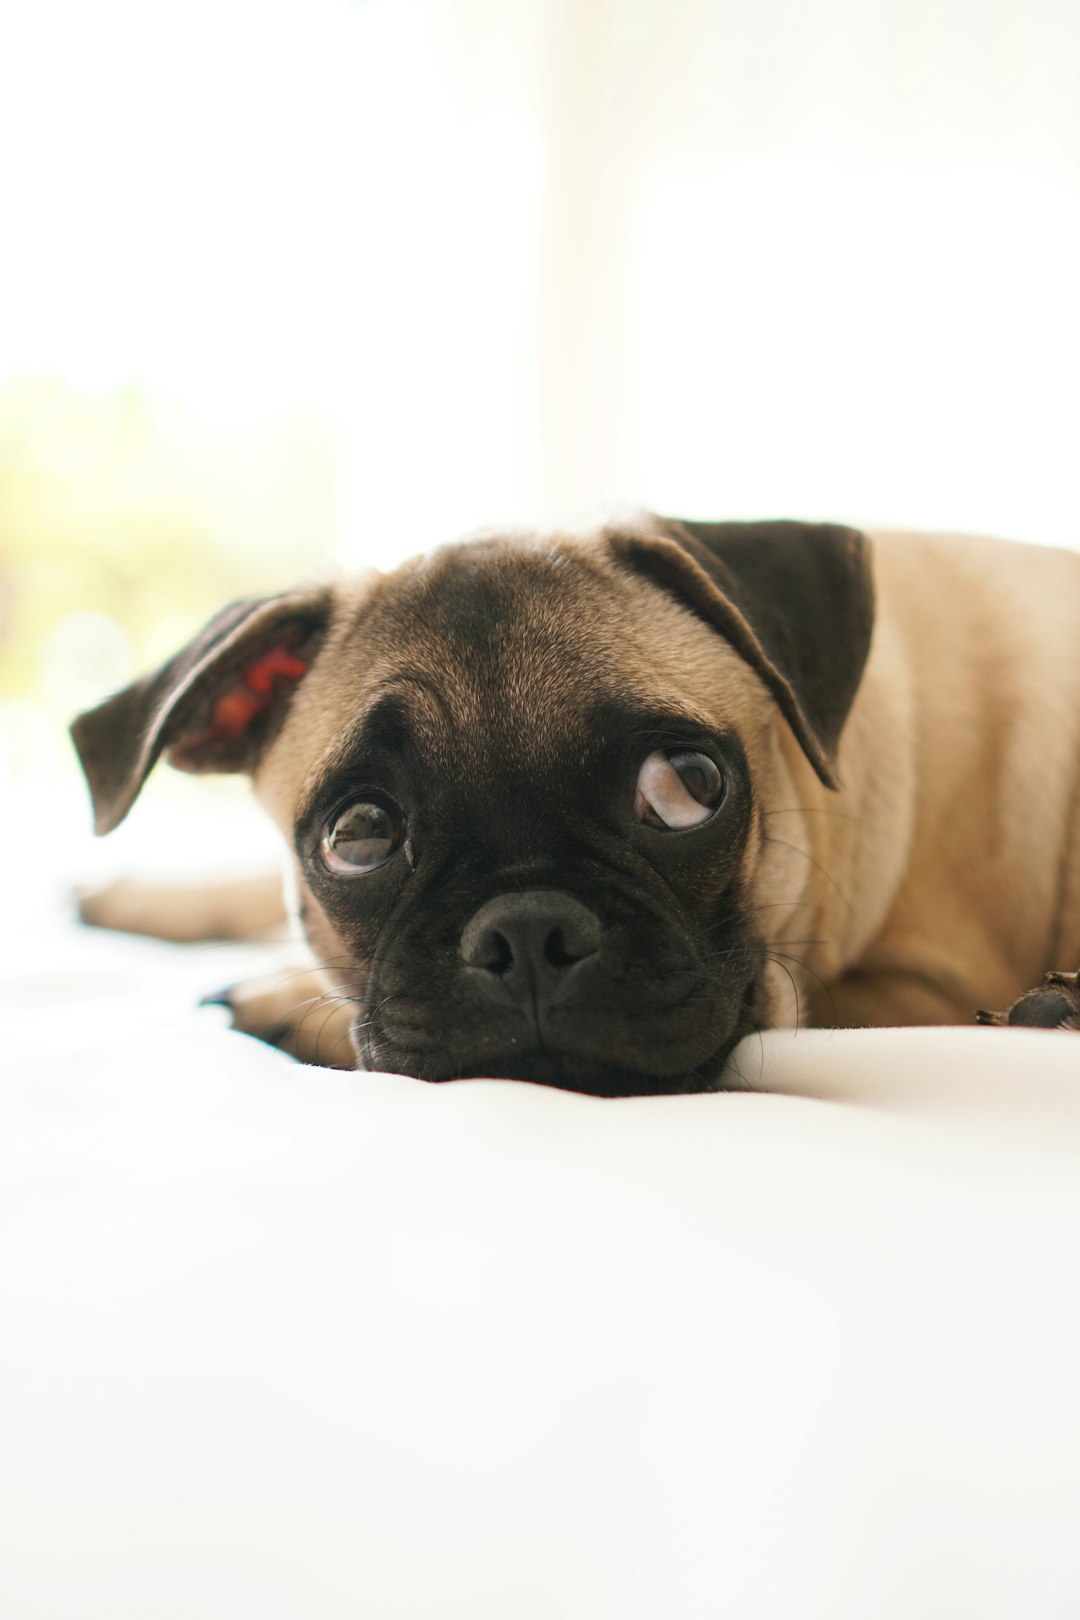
[{"x": 285, "y": 1342}]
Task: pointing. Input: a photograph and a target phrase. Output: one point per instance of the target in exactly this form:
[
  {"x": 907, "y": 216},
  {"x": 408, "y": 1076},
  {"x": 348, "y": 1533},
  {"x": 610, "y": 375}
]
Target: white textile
[{"x": 285, "y": 1342}]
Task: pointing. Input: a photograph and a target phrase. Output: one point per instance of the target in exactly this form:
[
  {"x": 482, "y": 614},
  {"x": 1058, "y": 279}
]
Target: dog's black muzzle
[{"x": 543, "y": 990}]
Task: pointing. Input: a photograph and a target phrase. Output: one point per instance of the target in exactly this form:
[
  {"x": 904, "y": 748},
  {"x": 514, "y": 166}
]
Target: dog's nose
[{"x": 530, "y": 947}]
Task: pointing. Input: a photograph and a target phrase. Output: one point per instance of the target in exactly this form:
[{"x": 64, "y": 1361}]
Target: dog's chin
[
  {"x": 593, "y": 1079},
  {"x": 570, "y": 1072},
  {"x": 700, "y": 1065}
]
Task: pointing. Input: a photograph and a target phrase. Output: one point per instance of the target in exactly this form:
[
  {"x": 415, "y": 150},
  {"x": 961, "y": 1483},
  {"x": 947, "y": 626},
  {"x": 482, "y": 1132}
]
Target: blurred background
[{"x": 303, "y": 284}]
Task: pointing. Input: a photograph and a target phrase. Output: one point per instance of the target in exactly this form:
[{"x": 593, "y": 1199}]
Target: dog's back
[{"x": 974, "y": 682}]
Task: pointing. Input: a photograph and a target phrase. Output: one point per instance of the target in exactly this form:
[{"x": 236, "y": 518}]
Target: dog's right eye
[{"x": 361, "y": 837}]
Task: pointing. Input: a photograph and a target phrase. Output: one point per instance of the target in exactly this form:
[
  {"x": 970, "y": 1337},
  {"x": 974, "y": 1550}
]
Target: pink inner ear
[{"x": 253, "y": 694}]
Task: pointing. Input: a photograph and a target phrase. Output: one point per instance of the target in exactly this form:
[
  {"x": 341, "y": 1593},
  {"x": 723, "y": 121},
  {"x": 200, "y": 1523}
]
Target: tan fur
[
  {"x": 959, "y": 764},
  {"x": 942, "y": 877},
  {"x": 243, "y": 908}
]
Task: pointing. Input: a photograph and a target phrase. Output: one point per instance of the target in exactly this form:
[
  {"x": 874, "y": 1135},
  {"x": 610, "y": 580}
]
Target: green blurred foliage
[{"x": 123, "y": 504}]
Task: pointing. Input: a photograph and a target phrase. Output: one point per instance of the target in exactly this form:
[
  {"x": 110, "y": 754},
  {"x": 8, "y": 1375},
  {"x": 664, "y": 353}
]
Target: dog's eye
[
  {"x": 678, "y": 788},
  {"x": 361, "y": 837}
]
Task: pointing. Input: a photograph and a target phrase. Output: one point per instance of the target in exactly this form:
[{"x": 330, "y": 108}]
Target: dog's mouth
[
  {"x": 593, "y": 1079},
  {"x": 566, "y": 1070}
]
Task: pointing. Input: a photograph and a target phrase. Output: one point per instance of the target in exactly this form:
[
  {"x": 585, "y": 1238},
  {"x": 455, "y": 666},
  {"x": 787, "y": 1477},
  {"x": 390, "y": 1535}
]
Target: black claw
[{"x": 217, "y": 998}]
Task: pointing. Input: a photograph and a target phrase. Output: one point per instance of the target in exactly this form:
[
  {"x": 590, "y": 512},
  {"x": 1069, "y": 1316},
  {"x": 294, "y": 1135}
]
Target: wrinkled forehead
[
  {"x": 490, "y": 650},
  {"x": 487, "y": 639}
]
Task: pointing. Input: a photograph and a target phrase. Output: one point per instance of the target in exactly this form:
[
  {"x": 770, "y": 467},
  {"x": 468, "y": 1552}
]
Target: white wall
[{"x": 805, "y": 256}]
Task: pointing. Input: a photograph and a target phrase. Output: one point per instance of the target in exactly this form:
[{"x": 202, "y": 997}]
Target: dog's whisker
[
  {"x": 781, "y": 958},
  {"x": 775, "y": 905},
  {"x": 327, "y": 1001},
  {"x": 769, "y": 839},
  {"x": 348, "y": 991},
  {"x": 326, "y": 1023},
  {"x": 795, "y": 989},
  {"x": 812, "y": 810},
  {"x": 278, "y": 981},
  {"x": 346, "y": 1035}
]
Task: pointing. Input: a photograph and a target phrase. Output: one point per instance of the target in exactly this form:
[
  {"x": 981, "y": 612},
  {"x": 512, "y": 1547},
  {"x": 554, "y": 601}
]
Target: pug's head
[{"x": 524, "y": 780}]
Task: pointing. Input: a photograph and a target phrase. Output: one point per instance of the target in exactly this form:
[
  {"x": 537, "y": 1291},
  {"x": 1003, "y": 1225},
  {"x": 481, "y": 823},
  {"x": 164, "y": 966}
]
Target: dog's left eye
[
  {"x": 678, "y": 788},
  {"x": 361, "y": 837}
]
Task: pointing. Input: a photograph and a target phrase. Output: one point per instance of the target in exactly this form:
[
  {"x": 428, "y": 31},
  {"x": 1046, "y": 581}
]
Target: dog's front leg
[
  {"x": 888, "y": 997},
  {"x": 301, "y": 1012},
  {"x": 187, "y": 913}
]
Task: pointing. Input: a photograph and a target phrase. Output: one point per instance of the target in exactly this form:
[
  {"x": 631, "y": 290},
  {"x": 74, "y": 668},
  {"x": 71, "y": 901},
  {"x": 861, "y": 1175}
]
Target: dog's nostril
[
  {"x": 557, "y": 952},
  {"x": 530, "y": 937},
  {"x": 497, "y": 956},
  {"x": 495, "y": 953}
]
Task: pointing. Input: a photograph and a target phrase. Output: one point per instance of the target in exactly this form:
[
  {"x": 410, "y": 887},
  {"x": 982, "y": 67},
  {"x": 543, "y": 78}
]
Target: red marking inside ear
[
  {"x": 278, "y": 661},
  {"x": 240, "y": 705}
]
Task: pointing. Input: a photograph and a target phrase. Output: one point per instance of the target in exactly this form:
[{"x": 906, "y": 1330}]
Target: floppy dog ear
[
  {"x": 795, "y": 600},
  {"x": 211, "y": 708}
]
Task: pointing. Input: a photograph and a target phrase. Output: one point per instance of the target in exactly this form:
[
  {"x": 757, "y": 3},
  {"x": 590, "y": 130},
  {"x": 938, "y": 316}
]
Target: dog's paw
[
  {"x": 1054, "y": 1005},
  {"x": 187, "y": 913},
  {"x": 297, "y": 1012}
]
